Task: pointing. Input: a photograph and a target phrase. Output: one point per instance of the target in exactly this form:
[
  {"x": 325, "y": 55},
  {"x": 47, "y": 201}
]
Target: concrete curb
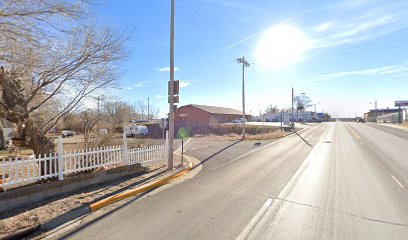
[
  {"x": 86, "y": 209},
  {"x": 129, "y": 193},
  {"x": 20, "y": 234}
]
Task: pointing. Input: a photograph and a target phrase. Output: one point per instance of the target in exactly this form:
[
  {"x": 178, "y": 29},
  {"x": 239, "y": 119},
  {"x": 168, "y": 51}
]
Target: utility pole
[
  {"x": 315, "y": 111},
  {"x": 148, "y": 109},
  {"x": 98, "y": 99},
  {"x": 293, "y": 124},
  {"x": 171, "y": 91},
  {"x": 375, "y": 109},
  {"x": 244, "y": 64}
]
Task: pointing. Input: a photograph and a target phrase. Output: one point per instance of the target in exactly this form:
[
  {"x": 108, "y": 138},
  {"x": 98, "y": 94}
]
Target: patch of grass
[{"x": 24, "y": 152}]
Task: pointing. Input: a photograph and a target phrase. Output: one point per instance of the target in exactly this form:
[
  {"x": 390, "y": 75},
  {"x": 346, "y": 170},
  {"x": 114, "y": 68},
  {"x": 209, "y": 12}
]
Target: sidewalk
[
  {"x": 53, "y": 212},
  {"x": 398, "y": 126}
]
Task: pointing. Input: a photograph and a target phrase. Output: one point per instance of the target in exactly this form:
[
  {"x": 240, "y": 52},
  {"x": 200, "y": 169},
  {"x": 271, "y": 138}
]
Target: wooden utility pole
[{"x": 244, "y": 63}]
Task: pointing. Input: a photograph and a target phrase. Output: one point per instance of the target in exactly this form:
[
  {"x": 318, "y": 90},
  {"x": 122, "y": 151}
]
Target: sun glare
[{"x": 281, "y": 45}]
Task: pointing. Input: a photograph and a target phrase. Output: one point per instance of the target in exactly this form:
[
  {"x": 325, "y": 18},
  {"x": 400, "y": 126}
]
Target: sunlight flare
[{"x": 280, "y": 46}]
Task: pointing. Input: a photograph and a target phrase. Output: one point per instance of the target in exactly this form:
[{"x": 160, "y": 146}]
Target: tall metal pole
[
  {"x": 376, "y": 111},
  {"x": 293, "y": 124},
  {"x": 171, "y": 91},
  {"x": 98, "y": 99},
  {"x": 244, "y": 64},
  {"x": 243, "y": 98},
  {"x": 148, "y": 109},
  {"x": 315, "y": 112}
]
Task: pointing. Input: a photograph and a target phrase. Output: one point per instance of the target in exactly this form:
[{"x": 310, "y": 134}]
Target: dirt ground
[
  {"x": 45, "y": 211},
  {"x": 248, "y": 137}
]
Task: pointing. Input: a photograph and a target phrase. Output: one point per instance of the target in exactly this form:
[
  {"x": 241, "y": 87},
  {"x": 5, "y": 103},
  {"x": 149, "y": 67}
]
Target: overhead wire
[{"x": 210, "y": 19}]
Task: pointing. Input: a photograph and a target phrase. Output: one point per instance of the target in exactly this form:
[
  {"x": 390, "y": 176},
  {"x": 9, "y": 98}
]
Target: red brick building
[{"x": 206, "y": 115}]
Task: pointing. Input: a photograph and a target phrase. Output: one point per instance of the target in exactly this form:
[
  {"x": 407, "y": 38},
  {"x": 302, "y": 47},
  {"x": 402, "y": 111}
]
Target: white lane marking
[
  {"x": 397, "y": 181},
  {"x": 244, "y": 234},
  {"x": 285, "y": 191},
  {"x": 353, "y": 133}
]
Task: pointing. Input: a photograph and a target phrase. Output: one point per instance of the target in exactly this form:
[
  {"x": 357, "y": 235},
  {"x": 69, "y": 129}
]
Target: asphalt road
[{"x": 332, "y": 181}]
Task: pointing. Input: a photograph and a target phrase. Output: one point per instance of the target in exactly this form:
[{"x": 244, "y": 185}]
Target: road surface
[{"x": 331, "y": 181}]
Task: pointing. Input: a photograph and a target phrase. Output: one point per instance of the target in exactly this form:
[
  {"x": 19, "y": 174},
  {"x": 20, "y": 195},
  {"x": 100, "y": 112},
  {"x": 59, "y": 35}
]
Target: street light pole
[
  {"x": 148, "y": 109},
  {"x": 171, "y": 91},
  {"x": 293, "y": 124},
  {"x": 244, "y": 64},
  {"x": 315, "y": 113},
  {"x": 375, "y": 109}
]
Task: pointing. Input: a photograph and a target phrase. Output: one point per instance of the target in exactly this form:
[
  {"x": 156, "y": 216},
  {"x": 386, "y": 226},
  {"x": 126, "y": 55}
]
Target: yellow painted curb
[{"x": 129, "y": 193}]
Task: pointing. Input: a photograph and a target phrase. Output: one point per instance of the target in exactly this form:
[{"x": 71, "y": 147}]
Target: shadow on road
[
  {"x": 304, "y": 140},
  {"x": 218, "y": 152}
]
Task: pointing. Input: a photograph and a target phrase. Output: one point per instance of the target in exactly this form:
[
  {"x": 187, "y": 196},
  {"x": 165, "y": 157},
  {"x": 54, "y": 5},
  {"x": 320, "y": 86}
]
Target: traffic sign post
[
  {"x": 183, "y": 117},
  {"x": 163, "y": 124}
]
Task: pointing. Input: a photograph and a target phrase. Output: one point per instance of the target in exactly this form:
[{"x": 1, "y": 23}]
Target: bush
[{"x": 225, "y": 129}]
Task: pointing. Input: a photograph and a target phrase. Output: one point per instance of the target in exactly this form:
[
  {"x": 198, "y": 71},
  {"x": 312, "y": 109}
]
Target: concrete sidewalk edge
[{"x": 144, "y": 188}]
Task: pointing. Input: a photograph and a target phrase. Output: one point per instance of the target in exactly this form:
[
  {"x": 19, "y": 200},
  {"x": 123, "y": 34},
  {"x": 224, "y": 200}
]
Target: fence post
[
  {"x": 166, "y": 148},
  {"x": 125, "y": 150},
  {"x": 60, "y": 164}
]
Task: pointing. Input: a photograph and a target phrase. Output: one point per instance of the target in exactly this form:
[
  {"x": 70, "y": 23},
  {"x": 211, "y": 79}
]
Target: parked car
[
  {"x": 240, "y": 120},
  {"x": 135, "y": 130},
  {"x": 67, "y": 133}
]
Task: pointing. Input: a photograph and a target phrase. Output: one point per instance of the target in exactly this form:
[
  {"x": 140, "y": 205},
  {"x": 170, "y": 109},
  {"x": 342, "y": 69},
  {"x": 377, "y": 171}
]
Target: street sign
[
  {"x": 163, "y": 123},
  {"x": 401, "y": 103},
  {"x": 183, "y": 116}
]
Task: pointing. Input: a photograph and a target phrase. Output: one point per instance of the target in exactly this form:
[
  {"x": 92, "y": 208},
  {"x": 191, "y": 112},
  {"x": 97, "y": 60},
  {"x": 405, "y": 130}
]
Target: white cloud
[
  {"x": 129, "y": 88},
  {"x": 355, "y": 30},
  {"x": 347, "y": 4},
  {"x": 139, "y": 85},
  {"x": 159, "y": 96},
  {"x": 387, "y": 70},
  {"x": 184, "y": 84},
  {"x": 323, "y": 27},
  {"x": 167, "y": 69},
  {"x": 358, "y": 20}
]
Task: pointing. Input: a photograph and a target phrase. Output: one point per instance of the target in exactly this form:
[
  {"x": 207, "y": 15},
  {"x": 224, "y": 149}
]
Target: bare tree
[
  {"x": 271, "y": 109},
  {"x": 302, "y": 102},
  {"x": 117, "y": 113},
  {"x": 51, "y": 65}
]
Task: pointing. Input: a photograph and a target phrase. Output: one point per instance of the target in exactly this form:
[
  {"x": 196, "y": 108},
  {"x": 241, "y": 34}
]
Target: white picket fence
[{"x": 22, "y": 171}]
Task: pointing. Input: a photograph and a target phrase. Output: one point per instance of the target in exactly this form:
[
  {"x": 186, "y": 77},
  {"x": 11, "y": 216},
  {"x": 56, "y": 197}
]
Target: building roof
[
  {"x": 216, "y": 110},
  {"x": 387, "y": 110}
]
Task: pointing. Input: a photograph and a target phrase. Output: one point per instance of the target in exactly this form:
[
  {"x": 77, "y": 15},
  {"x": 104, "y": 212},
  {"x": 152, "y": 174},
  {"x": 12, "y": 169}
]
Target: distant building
[
  {"x": 306, "y": 116},
  {"x": 386, "y": 115},
  {"x": 194, "y": 114}
]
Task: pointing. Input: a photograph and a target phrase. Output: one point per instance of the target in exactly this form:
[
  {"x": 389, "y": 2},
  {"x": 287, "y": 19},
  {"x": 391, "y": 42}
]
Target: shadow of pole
[
  {"x": 310, "y": 145},
  {"x": 218, "y": 152}
]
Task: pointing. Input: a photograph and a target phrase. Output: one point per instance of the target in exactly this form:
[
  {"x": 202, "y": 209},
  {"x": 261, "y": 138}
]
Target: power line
[
  {"x": 217, "y": 21},
  {"x": 211, "y": 20}
]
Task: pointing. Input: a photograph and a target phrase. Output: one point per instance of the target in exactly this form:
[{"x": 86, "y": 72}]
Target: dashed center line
[
  {"x": 355, "y": 135},
  {"x": 397, "y": 181}
]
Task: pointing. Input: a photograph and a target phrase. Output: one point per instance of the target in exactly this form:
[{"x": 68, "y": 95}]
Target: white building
[{"x": 306, "y": 116}]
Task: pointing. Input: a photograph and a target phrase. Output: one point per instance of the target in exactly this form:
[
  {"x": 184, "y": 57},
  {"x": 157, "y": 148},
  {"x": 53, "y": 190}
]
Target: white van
[{"x": 134, "y": 130}]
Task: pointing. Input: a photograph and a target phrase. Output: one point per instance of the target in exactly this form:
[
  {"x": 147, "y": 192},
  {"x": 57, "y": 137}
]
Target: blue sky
[{"x": 343, "y": 54}]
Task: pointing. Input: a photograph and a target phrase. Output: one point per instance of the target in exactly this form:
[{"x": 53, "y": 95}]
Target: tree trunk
[
  {"x": 2, "y": 142},
  {"x": 40, "y": 144}
]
